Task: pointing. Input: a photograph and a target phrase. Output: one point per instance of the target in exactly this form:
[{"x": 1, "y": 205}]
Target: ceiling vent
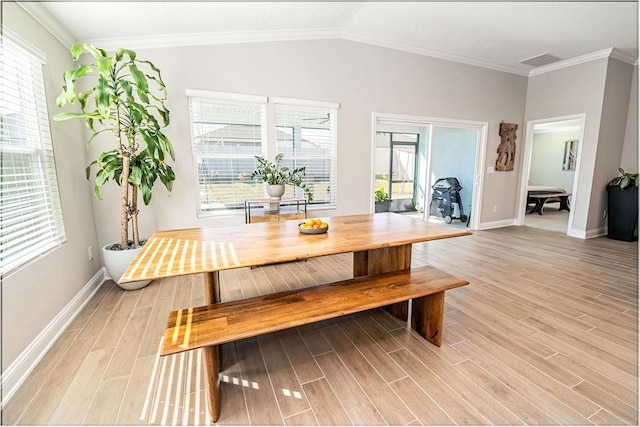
[{"x": 540, "y": 60}]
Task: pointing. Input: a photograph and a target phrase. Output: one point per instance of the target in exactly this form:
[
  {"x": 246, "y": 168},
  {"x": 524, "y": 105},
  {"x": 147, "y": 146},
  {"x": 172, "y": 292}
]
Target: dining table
[{"x": 380, "y": 243}]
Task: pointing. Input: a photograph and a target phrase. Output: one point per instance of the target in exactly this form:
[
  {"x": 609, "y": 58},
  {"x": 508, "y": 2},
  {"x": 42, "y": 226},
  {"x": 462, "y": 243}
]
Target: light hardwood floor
[{"x": 546, "y": 333}]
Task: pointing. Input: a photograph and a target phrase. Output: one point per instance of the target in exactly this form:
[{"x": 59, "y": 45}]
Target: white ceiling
[{"x": 495, "y": 35}]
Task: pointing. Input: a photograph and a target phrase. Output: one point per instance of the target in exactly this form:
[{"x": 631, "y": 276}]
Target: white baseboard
[
  {"x": 13, "y": 377},
  {"x": 589, "y": 234},
  {"x": 497, "y": 224}
]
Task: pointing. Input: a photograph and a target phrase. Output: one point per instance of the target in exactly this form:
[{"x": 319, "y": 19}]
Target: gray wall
[
  {"x": 601, "y": 89},
  {"x": 629, "y": 161},
  {"x": 33, "y": 296},
  {"x": 573, "y": 90},
  {"x": 547, "y": 152},
  {"x": 611, "y": 138},
  {"x": 362, "y": 78}
]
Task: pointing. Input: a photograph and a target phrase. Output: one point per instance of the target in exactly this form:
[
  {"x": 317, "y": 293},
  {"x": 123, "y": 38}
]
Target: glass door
[
  {"x": 403, "y": 172},
  {"x": 395, "y": 169}
]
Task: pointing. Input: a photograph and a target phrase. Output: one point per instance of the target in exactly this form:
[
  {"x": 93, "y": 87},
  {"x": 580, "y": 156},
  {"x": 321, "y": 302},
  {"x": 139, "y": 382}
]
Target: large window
[
  {"x": 306, "y": 135},
  {"x": 30, "y": 212},
  {"x": 229, "y": 130},
  {"x": 227, "y": 133}
]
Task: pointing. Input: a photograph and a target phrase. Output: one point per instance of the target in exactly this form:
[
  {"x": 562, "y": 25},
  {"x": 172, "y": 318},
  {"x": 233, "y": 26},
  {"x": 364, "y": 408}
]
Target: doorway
[
  {"x": 411, "y": 153},
  {"x": 552, "y": 160},
  {"x": 397, "y": 162}
]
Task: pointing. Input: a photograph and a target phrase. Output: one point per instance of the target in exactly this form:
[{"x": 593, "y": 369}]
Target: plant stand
[
  {"x": 622, "y": 221},
  {"x": 262, "y": 210}
]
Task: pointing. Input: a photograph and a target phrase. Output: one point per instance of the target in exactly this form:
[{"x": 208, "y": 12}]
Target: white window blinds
[
  {"x": 227, "y": 133},
  {"x": 30, "y": 213},
  {"x": 306, "y": 135}
]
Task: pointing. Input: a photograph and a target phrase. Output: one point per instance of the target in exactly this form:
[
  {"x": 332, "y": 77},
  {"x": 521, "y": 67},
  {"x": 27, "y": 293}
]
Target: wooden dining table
[{"x": 380, "y": 243}]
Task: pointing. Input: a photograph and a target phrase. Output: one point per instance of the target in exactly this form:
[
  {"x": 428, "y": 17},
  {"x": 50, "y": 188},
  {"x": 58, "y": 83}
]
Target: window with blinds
[
  {"x": 228, "y": 131},
  {"x": 30, "y": 213},
  {"x": 306, "y": 135}
]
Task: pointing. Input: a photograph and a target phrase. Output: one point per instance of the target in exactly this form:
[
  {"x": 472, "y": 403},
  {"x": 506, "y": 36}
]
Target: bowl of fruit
[{"x": 313, "y": 226}]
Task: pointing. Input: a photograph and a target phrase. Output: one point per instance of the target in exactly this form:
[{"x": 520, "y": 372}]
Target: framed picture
[{"x": 570, "y": 152}]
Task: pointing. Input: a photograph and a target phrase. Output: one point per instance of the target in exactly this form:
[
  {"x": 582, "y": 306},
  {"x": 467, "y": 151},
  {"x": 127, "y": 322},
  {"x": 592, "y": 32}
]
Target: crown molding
[
  {"x": 44, "y": 17},
  {"x": 611, "y": 52},
  {"x": 624, "y": 57},
  {"x": 411, "y": 48},
  {"x": 48, "y": 21},
  {"x": 229, "y": 37}
]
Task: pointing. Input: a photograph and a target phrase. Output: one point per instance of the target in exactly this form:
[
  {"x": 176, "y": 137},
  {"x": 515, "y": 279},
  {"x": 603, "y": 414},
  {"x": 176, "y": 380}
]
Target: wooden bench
[
  {"x": 541, "y": 198},
  {"x": 212, "y": 325}
]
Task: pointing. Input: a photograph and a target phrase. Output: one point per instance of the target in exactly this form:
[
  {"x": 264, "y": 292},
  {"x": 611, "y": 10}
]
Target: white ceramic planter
[
  {"x": 116, "y": 262},
  {"x": 275, "y": 191}
]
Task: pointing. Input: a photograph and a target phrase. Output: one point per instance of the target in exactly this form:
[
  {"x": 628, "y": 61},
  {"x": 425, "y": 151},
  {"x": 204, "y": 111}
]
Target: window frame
[
  {"x": 28, "y": 134},
  {"x": 299, "y": 160},
  {"x": 230, "y": 98}
]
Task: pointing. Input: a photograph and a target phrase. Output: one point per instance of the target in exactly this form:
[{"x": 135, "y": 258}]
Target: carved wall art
[{"x": 507, "y": 148}]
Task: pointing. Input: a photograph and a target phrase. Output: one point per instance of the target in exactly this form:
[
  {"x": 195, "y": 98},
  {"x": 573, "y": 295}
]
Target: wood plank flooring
[{"x": 546, "y": 333}]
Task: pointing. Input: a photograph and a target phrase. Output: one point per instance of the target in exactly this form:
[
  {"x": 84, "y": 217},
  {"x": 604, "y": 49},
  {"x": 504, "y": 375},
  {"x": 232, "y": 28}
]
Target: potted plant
[
  {"x": 125, "y": 97},
  {"x": 623, "y": 207},
  {"x": 277, "y": 176},
  {"x": 382, "y": 199}
]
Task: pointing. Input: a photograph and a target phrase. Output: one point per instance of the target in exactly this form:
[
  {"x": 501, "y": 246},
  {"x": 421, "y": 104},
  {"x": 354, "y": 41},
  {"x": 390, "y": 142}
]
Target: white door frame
[
  {"x": 526, "y": 168},
  {"x": 424, "y": 121}
]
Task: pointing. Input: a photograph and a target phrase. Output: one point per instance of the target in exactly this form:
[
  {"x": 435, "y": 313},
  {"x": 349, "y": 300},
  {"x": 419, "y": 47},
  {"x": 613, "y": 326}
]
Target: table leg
[
  {"x": 564, "y": 203},
  {"x": 212, "y": 287},
  {"x": 540, "y": 201},
  {"x": 212, "y": 362},
  {"x": 212, "y": 354},
  {"x": 383, "y": 260}
]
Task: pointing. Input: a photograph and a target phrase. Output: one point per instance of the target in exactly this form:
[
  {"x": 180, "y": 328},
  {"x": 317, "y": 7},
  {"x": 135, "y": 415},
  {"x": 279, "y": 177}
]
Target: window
[
  {"x": 229, "y": 130},
  {"x": 227, "y": 133},
  {"x": 30, "y": 212},
  {"x": 306, "y": 135}
]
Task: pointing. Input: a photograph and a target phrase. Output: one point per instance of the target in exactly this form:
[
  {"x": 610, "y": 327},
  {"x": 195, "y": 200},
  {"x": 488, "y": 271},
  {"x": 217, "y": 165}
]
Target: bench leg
[
  {"x": 427, "y": 316},
  {"x": 212, "y": 363},
  {"x": 213, "y": 354}
]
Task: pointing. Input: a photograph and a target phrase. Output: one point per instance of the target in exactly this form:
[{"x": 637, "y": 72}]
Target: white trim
[
  {"x": 305, "y": 102},
  {"x": 411, "y": 48},
  {"x": 600, "y": 54},
  {"x": 226, "y": 37},
  {"x": 39, "y": 55},
  {"x": 13, "y": 377},
  {"x": 526, "y": 169},
  {"x": 590, "y": 234},
  {"x": 258, "y": 99},
  {"x": 48, "y": 21},
  {"x": 624, "y": 57},
  {"x": 496, "y": 224}
]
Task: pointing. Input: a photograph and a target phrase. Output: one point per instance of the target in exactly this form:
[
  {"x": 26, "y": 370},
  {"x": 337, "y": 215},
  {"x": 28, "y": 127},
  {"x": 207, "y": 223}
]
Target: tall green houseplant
[{"x": 125, "y": 96}]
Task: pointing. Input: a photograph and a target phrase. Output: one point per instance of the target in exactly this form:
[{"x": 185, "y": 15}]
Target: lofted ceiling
[{"x": 497, "y": 35}]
